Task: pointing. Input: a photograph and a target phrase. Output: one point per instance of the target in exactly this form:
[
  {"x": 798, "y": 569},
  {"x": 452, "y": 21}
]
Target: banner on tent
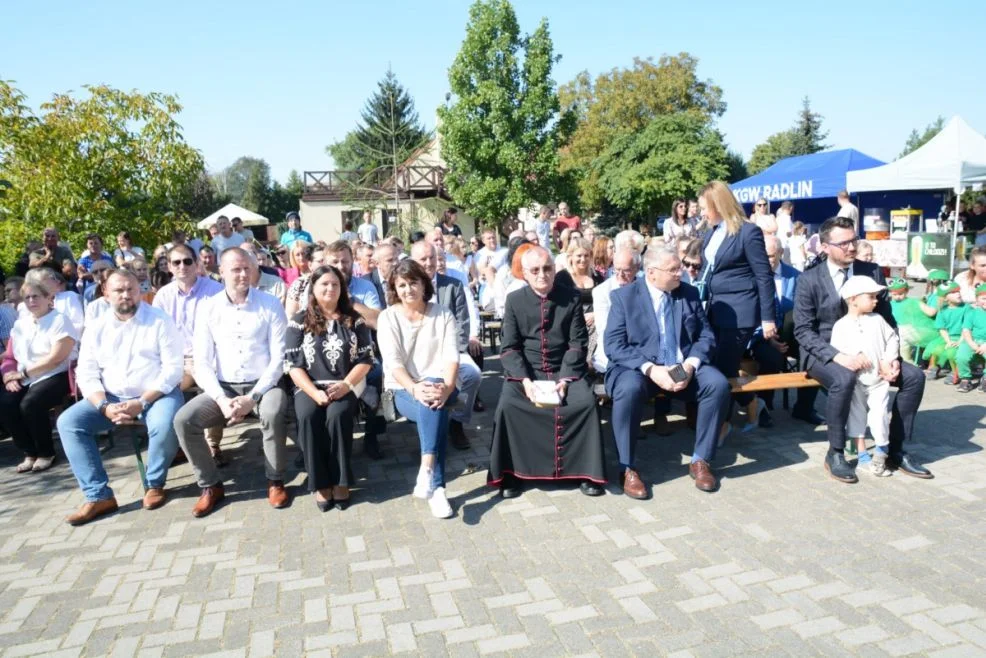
[{"x": 801, "y": 189}]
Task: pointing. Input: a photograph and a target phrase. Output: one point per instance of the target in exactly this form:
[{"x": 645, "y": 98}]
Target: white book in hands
[{"x": 546, "y": 394}]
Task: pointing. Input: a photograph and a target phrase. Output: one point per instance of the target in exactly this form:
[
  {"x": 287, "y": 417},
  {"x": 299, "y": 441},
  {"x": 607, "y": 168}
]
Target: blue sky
[{"x": 280, "y": 81}]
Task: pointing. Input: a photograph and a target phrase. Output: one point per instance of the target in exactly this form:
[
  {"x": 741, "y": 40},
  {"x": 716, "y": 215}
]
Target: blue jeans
[
  {"x": 79, "y": 424},
  {"x": 432, "y": 427}
]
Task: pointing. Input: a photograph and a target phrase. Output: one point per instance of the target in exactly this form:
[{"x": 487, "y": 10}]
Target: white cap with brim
[{"x": 859, "y": 285}]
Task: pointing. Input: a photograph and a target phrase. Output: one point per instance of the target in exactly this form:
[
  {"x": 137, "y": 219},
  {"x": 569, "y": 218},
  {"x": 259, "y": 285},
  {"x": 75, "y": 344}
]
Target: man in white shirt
[
  {"x": 241, "y": 230},
  {"x": 785, "y": 223},
  {"x": 225, "y": 237},
  {"x": 368, "y": 230},
  {"x": 269, "y": 283},
  {"x": 626, "y": 264},
  {"x": 129, "y": 368},
  {"x": 847, "y": 209},
  {"x": 180, "y": 300},
  {"x": 490, "y": 258},
  {"x": 238, "y": 351}
]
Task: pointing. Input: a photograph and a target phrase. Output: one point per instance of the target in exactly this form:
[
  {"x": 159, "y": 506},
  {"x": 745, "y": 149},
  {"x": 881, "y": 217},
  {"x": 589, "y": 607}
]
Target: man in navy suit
[
  {"x": 817, "y": 307},
  {"x": 656, "y": 323},
  {"x": 772, "y": 354}
]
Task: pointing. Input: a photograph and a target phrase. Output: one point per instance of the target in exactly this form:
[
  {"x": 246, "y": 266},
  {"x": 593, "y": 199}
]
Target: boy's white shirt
[{"x": 871, "y": 335}]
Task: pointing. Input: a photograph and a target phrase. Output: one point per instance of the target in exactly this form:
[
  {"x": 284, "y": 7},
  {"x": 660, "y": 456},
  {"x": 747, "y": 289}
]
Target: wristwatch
[
  {"x": 144, "y": 406},
  {"x": 102, "y": 406},
  {"x": 256, "y": 397}
]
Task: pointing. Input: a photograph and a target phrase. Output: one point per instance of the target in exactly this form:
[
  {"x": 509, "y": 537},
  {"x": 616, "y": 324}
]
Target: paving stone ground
[{"x": 781, "y": 561}]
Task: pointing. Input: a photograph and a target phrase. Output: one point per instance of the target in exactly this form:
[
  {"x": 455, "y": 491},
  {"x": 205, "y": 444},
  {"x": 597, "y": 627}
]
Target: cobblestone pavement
[{"x": 781, "y": 561}]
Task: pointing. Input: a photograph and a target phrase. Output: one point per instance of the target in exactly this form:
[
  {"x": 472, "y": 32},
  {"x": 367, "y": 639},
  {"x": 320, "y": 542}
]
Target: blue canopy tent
[{"x": 810, "y": 181}]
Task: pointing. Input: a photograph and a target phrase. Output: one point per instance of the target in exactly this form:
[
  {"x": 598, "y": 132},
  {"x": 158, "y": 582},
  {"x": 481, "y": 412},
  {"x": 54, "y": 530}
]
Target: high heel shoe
[
  {"x": 324, "y": 505},
  {"x": 342, "y": 504}
]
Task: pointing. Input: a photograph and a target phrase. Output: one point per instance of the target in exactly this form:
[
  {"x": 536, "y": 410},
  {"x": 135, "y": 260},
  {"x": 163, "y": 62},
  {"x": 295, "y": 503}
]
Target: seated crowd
[{"x": 220, "y": 332}]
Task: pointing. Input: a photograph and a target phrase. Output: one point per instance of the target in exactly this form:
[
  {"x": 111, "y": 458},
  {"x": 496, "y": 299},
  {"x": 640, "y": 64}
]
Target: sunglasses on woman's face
[
  {"x": 691, "y": 265},
  {"x": 761, "y": 205}
]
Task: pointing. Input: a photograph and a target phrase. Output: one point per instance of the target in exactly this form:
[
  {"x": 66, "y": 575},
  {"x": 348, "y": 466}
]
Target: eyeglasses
[
  {"x": 692, "y": 265},
  {"x": 627, "y": 270},
  {"x": 187, "y": 262},
  {"x": 544, "y": 269},
  {"x": 655, "y": 267},
  {"x": 761, "y": 205},
  {"x": 844, "y": 244}
]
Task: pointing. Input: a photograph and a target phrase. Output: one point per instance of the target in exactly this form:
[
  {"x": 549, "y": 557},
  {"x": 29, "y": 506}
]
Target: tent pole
[{"x": 955, "y": 229}]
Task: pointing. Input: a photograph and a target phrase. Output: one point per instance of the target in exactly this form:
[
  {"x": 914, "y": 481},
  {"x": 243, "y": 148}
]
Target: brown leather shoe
[
  {"x": 92, "y": 511},
  {"x": 633, "y": 486},
  {"x": 154, "y": 498},
  {"x": 211, "y": 496},
  {"x": 701, "y": 472},
  {"x": 276, "y": 494}
]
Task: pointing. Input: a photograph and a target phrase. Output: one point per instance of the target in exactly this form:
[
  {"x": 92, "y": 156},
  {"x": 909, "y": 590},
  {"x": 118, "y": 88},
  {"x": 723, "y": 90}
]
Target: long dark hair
[
  {"x": 315, "y": 322},
  {"x": 679, "y": 219}
]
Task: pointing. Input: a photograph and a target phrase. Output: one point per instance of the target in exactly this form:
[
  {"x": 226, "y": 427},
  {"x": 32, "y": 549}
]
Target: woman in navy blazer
[{"x": 737, "y": 281}]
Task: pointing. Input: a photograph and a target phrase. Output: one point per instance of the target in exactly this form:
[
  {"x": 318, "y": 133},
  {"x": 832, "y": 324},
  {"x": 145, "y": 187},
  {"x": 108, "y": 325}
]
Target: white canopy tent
[
  {"x": 232, "y": 210},
  {"x": 953, "y": 159}
]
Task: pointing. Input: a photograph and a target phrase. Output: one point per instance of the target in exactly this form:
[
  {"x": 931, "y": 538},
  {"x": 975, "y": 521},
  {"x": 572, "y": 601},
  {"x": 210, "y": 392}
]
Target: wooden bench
[
  {"x": 748, "y": 383},
  {"x": 493, "y": 328}
]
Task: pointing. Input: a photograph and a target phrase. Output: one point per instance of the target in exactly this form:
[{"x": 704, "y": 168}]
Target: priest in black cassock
[{"x": 545, "y": 339}]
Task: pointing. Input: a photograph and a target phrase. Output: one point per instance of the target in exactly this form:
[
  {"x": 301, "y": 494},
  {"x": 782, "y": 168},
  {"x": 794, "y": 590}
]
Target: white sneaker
[
  {"x": 439, "y": 505},
  {"x": 422, "y": 487},
  {"x": 878, "y": 464}
]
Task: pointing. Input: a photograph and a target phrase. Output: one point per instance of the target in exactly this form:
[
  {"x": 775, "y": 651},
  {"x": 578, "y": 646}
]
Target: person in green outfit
[
  {"x": 915, "y": 320},
  {"x": 948, "y": 322},
  {"x": 973, "y": 346},
  {"x": 935, "y": 279}
]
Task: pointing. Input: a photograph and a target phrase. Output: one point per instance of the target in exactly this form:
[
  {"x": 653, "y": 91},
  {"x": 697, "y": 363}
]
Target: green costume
[
  {"x": 916, "y": 329},
  {"x": 950, "y": 318},
  {"x": 975, "y": 323}
]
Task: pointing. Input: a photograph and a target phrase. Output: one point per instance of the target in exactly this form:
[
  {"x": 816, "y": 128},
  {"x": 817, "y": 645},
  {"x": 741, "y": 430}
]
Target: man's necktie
[
  {"x": 669, "y": 345},
  {"x": 845, "y": 277}
]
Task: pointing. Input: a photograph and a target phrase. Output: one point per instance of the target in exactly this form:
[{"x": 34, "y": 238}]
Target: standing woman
[
  {"x": 301, "y": 261},
  {"x": 420, "y": 363},
  {"x": 678, "y": 225},
  {"x": 329, "y": 353},
  {"x": 125, "y": 251},
  {"x": 738, "y": 284},
  {"x": 35, "y": 376}
]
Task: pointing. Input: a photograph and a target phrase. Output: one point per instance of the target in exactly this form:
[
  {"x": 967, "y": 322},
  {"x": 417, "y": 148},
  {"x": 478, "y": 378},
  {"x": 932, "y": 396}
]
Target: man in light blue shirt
[
  {"x": 294, "y": 231},
  {"x": 362, "y": 293}
]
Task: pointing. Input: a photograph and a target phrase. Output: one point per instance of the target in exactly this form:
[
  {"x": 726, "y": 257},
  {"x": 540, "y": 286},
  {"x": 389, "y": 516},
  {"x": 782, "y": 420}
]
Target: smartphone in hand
[{"x": 678, "y": 373}]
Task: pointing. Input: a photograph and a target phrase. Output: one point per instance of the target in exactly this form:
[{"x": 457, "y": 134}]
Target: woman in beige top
[{"x": 417, "y": 340}]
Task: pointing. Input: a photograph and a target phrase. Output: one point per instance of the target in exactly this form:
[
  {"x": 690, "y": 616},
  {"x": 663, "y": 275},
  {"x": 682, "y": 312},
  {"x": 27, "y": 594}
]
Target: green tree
[
  {"x": 641, "y": 174},
  {"x": 283, "y": 198},
  {"x": 736, "y": 167},
  {"x": 916, "y": 140},
  {"x": 623, "y": 102},
  {"x": 777, "y": 147},
  {"x": 389, "y": 129},
  {"x": 807, "y": 134},
  {"x": 502, "y": 132},
  {"x": 235, "y": 180},
  {"x": 103, "y": 161}
]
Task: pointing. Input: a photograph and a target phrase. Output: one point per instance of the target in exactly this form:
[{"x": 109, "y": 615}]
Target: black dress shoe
[
  {"x": 838, "y": 468},
  {"x": 765, "y": 420},
  {"x": 457, "y": 435},
  {"x": 909, "y": 466},
  {"x": 324, "y": 505},
  {"x": 371, "y": 448},
  {"x": 590, "y": 488},
  {"x": 810, "y": 417},
  {"x": 510, "y": 487},
  {"x": 342, "y": 505},
  {"x": 478, "y": 405}
]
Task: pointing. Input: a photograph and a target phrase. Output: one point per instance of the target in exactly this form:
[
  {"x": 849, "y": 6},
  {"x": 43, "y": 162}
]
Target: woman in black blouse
[
  {"x": 580, "y": 275},
  {"x": 329, "y": 352}
]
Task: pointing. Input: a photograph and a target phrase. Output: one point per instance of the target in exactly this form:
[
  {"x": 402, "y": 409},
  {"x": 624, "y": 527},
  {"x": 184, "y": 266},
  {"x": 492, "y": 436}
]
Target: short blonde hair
[{"x": 718, "y": 195}]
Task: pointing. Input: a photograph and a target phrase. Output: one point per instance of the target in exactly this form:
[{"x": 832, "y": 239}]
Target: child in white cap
[{"x": 876, "y": 346}]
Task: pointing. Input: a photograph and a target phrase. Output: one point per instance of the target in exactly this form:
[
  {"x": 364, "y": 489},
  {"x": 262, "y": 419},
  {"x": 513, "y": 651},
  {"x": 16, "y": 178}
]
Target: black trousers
[
  {"x": 26, "y": 416},
  {"x": 326, "y": 437},
  {"x": 771, "y": 362},
  {"x": 839, "y": 382},
  {"x": 731, "y": 344}
]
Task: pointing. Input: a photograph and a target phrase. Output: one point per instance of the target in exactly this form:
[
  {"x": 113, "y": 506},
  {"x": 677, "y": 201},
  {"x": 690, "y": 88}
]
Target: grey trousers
[{"x": 202, "y": 412}]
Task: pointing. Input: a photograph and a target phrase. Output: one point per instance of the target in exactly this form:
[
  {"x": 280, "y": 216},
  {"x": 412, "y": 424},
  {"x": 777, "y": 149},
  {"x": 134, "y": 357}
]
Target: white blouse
[{"x": 35, "y": 338}]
